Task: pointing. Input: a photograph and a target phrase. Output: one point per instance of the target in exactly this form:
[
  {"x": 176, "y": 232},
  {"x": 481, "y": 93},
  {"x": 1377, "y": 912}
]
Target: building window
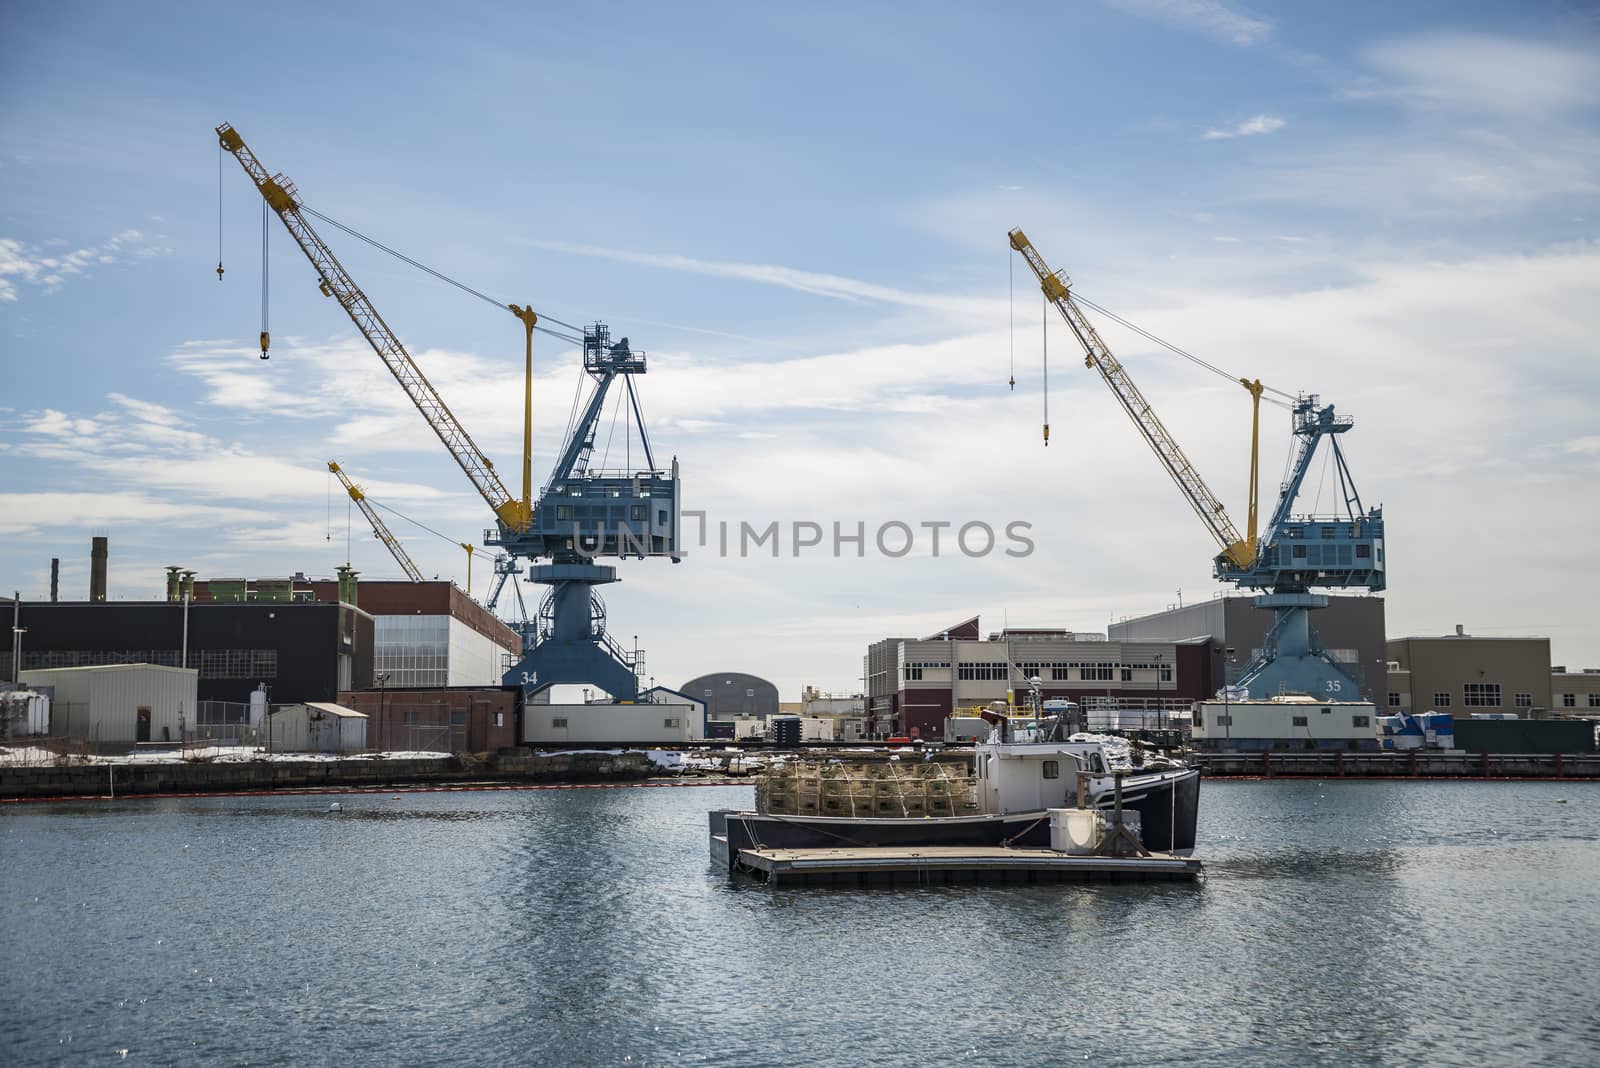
[
  {"x": 1394, "y": 699},
  {"x": 1524, "y": 700},
  {"x": 1569, "y": 700},
  {"x": 1166, "y": 673},
  {"x": 1301, "y": 721},
  {"x": 563, "y": 511},
  {"x": 637, "y": 513},
  {"x": 1127, "y": 674},
  {"x": 1299, "y": 552},
  {"x": 1224, "y": 721},
  {"x": 990, "y": 672},
  {"x": 458, "y": 718},
  {"x": 1052, "y": 769},
  {"x": 1199, "y": 716},
  {"x": 913, "y": 674},
  {"x": 1481, "y": 695},
  {"x": 558, "y": 723},
  {"x": 1060, "y": 673},
  {"x": 1096, "y": 672},
  {"x": 1441, "y": 699},
  {"x": 670, "y": 722},
  {"x": 1363, "y": 551},
  {"x": 1360, "y": 721}
]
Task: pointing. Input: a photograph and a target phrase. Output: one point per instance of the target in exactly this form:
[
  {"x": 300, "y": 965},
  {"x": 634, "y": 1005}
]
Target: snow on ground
[{"x": 39, "y": 756}]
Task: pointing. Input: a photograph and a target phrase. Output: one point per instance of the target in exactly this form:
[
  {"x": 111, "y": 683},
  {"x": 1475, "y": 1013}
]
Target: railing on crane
[{"x": 1240, "y": 552}]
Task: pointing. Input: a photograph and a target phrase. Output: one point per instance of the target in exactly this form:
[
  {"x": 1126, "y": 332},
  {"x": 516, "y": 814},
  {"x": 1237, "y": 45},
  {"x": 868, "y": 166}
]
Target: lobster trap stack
[{"x": 882, "y": 790}]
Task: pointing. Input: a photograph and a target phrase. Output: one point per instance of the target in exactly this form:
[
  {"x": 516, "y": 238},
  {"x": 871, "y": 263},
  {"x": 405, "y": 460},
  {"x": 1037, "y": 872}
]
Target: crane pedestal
[
  {"x": 1292, "y": 659},
  {"x": 569, "y": 644}
]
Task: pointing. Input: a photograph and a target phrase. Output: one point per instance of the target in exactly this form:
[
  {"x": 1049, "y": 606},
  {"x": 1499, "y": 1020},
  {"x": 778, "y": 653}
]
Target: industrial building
[
  {"x": 425, "y": 634},
  {"x": 1293, "y": 721},
  {"x": 661, "y": 716},
  {"x": 730, "y": 694},
  {"x": 1351, "y": 629},
  {"x": 118, "y": 704},
  {"x": 301, "y": 651},
  {"x": 1464, "y": 674},
  {"x": 440, "y": 719},
  {"x": 316, "y": 727},
  {"x": 913, "y": 684},
  {"x": 1575, "y": 693}
]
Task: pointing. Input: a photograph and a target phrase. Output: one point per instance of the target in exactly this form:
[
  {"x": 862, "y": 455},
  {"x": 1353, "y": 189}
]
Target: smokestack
[
  {"x": 55, "y": 579},
  {"x": 1461, "y": 631},
  {"x": 97, "y": 568}
]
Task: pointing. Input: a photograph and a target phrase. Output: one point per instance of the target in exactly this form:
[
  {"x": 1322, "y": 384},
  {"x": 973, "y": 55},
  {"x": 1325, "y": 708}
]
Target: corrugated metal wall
[{"x": 102, "y": 704}]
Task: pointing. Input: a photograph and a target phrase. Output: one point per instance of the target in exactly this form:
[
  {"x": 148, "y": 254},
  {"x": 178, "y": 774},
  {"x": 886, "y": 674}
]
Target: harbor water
[{"x": 1340, "y": 923}]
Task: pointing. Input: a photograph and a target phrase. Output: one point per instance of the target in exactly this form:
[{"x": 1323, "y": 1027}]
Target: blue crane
[
  {"x": 581, "y": 514},
  {"x": 1341, "y": 550}
]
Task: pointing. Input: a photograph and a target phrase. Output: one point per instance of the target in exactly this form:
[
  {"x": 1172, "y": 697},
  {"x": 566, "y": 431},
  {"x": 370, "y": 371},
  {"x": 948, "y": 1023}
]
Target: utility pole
[{"x": 16, "y": 636}]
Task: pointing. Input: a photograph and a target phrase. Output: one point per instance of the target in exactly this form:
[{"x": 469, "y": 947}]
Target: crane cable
[
  {"x": 1011, "y": 263},
  {"x": 358, "y": 235},
  {"x": 1147, "y": 335},
  {"x": 266, "y": 232},
  {"x": 414, "y": 522},
  {"x": 219, "y": 211}
]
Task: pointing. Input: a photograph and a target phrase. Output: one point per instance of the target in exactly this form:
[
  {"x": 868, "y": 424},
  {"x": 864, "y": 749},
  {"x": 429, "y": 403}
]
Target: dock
[{"x": 925, "y": 865}]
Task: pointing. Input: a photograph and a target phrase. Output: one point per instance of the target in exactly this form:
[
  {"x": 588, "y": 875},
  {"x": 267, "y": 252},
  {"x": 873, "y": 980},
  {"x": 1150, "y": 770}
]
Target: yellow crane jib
[
  {"x": 524, "y": 516},
  {"x": 379, "y": 528},
  {"x": 1057, "y": 289},
  {"x": 334, "y": 281}
]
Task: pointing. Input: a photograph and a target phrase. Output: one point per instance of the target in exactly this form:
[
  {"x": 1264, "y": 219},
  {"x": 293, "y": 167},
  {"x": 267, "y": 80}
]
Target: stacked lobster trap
[{"x": 883, "y": 790}]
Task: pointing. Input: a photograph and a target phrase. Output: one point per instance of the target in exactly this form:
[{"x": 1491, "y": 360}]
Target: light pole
[
  {"x": 383, "y": 681},
  {"x": 1227, "y": 694},
  {"x": 16, "y": 653}
]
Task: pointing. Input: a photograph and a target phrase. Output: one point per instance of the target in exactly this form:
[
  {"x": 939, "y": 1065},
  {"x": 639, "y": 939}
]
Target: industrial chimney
[
  {"x": 55, "y": 579},
  {"x": 97, "y": 569}
]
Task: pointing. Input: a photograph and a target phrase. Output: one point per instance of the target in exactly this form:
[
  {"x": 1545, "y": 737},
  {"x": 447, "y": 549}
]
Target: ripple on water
[{"x": 1340, "y": 923}]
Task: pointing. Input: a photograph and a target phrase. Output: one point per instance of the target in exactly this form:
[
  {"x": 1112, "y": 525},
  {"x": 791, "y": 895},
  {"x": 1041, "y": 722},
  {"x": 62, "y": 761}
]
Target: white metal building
[
  {"x": 663, "y": 717},
  {"x": 317, "y": 727},
  {"x": 119, "y": 704},
  {"x": 1289, "y": 722}
]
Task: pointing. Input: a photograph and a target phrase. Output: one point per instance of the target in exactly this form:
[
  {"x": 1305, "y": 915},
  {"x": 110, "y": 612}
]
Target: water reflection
[{"x": 1338, "y": 923}]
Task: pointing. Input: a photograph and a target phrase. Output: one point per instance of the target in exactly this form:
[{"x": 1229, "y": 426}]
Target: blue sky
[{"x": 801, "y": 214}]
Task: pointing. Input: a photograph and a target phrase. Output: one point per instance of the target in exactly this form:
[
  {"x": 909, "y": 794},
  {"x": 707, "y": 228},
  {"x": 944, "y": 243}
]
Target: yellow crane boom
[
  {"x": 1058, "y": 291},
  {"x": 379, "y": 527},
  {"x": 282, "y": 197}
]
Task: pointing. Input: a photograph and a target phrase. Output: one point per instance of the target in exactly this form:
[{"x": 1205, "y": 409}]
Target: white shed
[
  {"x": 317, "y": 727},
  {"x": 119, "y": 704}
]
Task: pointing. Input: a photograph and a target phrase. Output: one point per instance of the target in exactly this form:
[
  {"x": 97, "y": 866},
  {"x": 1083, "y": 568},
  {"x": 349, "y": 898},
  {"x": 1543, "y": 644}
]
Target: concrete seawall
[
  {"x": 1419, "y": 764},
  {"x": 198, "y": 777}
]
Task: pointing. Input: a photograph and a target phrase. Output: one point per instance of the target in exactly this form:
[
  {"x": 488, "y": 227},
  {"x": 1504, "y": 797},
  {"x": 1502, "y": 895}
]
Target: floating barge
[{"x": 923, "y": 865}]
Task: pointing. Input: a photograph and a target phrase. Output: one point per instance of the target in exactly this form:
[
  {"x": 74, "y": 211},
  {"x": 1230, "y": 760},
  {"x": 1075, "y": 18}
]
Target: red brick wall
[{"x": 431, "y": 722}]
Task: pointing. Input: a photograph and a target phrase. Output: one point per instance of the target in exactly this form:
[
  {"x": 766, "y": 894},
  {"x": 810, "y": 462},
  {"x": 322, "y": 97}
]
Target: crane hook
[
  {"x": 219, "y": 270},
  {"x": 266, "y": 342}
]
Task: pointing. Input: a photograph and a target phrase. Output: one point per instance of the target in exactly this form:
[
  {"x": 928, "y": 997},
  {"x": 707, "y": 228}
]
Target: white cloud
[
  {"x": 30, "y": 265},
  {"x": 1486, "y": 74},
  {"x": 837, "y": 287},
  {"x": 1251, "y": 127},
  {"x": 1207, "y": 18}
]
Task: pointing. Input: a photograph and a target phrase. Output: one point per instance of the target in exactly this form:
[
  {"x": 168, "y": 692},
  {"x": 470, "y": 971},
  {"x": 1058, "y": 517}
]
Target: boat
[{"x": 1025, "y": 768}]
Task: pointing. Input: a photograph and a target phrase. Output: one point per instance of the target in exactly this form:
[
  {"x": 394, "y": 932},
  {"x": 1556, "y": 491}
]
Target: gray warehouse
[{"x": 1351, "y": 628}]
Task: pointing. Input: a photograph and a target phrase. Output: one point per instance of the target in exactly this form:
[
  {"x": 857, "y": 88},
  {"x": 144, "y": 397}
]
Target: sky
[{"x": 800, "y": 214}]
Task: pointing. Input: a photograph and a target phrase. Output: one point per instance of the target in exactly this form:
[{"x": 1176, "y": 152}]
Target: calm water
[{"x": 1368, "y": 923}]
